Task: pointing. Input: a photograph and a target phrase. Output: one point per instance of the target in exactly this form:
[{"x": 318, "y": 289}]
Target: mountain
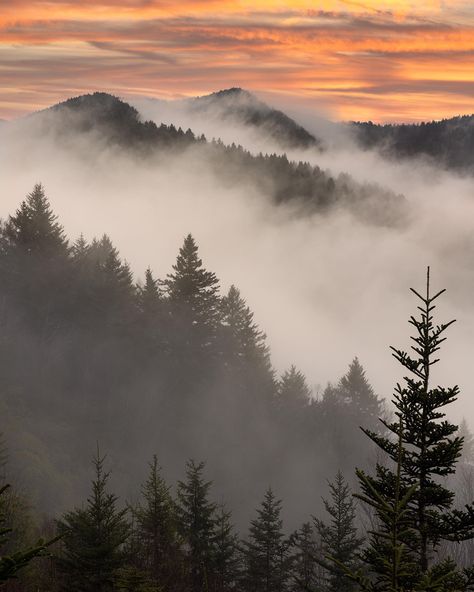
[
  {"x": 103, "y": 118},
  {"x": 240, "y": 106},
  {"x": 449, "y": 142}
]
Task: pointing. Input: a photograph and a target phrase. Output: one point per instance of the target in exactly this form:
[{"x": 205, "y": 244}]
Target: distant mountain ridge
[
  {"x": 103, "y": 118},
  {"x": 241, "y": 106},
  {"x": 448, "y": 142}
]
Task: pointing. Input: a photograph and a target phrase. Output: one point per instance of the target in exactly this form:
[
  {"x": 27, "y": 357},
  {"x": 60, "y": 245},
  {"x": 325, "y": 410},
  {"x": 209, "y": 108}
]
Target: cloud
[{"x": 164, "y": 48}]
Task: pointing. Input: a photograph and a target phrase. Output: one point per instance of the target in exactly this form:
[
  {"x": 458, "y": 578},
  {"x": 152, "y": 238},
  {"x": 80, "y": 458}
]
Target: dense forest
[
  {"x": 171, "y": 372},
  {"x": 448, "y": 142}
]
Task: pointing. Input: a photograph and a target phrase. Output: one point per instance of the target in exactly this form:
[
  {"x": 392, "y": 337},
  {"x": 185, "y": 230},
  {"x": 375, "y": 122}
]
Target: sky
[{"x": 382, "y": 60}]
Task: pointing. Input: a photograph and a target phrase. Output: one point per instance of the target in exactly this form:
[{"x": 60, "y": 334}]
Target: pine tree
[
  {"x": 266, "y": 551},
  {"x": 93, "y": 538},
  {"x": 226, "y": 560},
  {"x": 196, "y": 524},
  {"x": 431, "y": 447},
  {"x": 340, "y": 542},
  {"x": 156, "y": 527}
]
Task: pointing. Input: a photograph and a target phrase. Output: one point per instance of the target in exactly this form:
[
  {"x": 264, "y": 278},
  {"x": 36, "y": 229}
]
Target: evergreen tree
[
  {"x": 305, "y": 569},
  {"x": 266, "y": 551},
  {"x": 34, "y": 227},
  {"x": 149, "y": 296},
  {"x": 356, "y": 390},
  {"x": 225, "y": 554},
  {"x": 293, "y": 391},
  {"x": 196, "y": 524},
  {"x": 431, "y": 447},
  {"x": 93, "y": 539},
  {"x": 340, "y": 542},
  {"x": 156, "y": 527},
  {"x": 194, "y": 299}
]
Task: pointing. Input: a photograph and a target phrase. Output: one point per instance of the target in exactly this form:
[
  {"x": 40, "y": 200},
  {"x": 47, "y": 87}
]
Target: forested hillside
[
  {"x": 170, "y": 365},
  {"x": 448, "y": 142},
  {"x": 88, "y": 121}
]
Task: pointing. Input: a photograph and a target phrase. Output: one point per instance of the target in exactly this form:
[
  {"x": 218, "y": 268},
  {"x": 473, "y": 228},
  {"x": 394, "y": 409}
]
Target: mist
[{"x": 338, "y": 287}]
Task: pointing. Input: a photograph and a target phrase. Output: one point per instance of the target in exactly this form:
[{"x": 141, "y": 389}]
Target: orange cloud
[{"x": 380, "y": 59}]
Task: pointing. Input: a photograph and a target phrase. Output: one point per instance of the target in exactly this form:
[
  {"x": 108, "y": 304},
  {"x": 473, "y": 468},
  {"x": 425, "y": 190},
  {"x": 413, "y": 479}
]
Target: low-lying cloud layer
[{"x": 324, "y": 288}]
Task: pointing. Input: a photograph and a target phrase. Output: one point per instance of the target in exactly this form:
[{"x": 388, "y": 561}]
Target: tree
[
  {"x": 194, "y": 299},
  {"x": 356, "y": 390},
  {"x": 293, "y": 391},
  {"x": 225, "y": 553},
  {"x": 149, "y": 296},
  {"x": 414, "y": 506},
  {"x": 339, "y": 539},
  {"x": 431, "y": 448},
  {"x": 305, "y": 569},
  {"x": 266, "y": 551},
  {"x": 93, "y": 538},
  {"x": 196, "y": 524},
  {"x": 156, "y": 527},
  {"x": 34, "y": 228}
]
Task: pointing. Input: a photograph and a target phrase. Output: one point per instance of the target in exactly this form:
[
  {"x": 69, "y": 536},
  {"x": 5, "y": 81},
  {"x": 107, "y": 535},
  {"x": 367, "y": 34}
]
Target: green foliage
[
  {"x": 93, "y": 539},
  {"x": 226, "y": 558},
  {"x": 339, "y": 539},
  {"x": 156, "y": 528},
  {"x": 266, "y": 550},
  {"x": 306, "y": 570},
  {"x": 15, "y": 560},
  {"x": 196, "y": 516}
]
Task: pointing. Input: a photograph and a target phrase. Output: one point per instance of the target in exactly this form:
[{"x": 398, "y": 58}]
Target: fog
[{"x": 324, "y": 288}]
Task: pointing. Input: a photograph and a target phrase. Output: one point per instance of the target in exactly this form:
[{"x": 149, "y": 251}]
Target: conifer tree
[
  {"x": 293, "y": 391},
  {"x": 356, "y": 390},
  {"x": 196, "y": 524},
  {"x": 226, "y": 558},
  {"x": 34, "y": 227},
  {"x": 266, "y": 550},
  {"x": 156, "y": 527},
  {"x": 193, "y": 294},
  {"x": 149, "y": 296},
  {"x": 431, "y": 447},
  {"x": 305, "y": 569},
  {"x": 93, "y": 538},
  {"x": 340, "y": 542}
]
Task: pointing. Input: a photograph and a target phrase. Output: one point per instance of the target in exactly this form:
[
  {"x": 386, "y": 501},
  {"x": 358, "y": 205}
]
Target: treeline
[
  {"x": 449, "y": 142},
  {"x": 179, "y": 542},
  {"x": 101, "y": 119},
  {"x": 168, "y": 365}
]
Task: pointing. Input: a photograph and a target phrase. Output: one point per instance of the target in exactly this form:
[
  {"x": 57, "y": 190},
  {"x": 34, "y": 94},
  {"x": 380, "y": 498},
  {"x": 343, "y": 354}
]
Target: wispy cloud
[{"x": 342, "y": 54}]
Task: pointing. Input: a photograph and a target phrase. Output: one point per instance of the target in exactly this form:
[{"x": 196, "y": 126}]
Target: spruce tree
[
  {"x": 226, "y": 560},
  {"x": 355, "y": 389},
  {"x": 266, "y": 550},
  {"x": 93, "y": 539},
  {"x": 293, "y": 391},
  {"x": 34, "y": 227},
  {"x": 149, "y": 296},
  {"x": 305, "y": 569},
  {"x": 156, "y": 528},
  {"x": 431, "y": 447},
  {"x": 196, "y": 516},
  {"x": 194, "y": 299},
  {"x": 339, "y": 538}
]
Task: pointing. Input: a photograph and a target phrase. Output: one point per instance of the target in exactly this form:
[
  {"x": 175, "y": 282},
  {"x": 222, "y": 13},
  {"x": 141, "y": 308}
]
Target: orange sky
[{"x": 383, "y": 60}]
